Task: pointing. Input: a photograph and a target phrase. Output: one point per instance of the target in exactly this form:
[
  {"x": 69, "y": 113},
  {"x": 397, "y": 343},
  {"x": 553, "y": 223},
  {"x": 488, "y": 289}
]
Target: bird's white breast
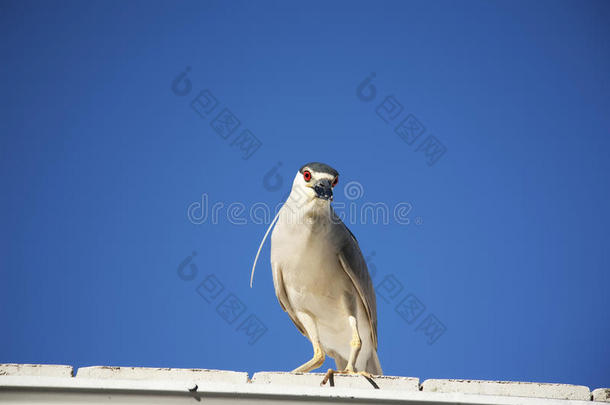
[{"x": 313, "y": 278}]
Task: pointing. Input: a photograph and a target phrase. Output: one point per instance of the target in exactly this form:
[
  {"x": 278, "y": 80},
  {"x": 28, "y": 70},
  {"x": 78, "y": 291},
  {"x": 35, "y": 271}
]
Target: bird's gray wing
[
  {"x": 353, "y": 263},
  {"x": 280, "y": 293}
]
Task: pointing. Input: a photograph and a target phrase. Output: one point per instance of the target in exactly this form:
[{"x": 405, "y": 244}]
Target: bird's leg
[
  {"x": 316, "y": 361},
  {"x": 318, "y": 354},
  {"x": 355, "y": 345},
  {"x": 329, "y": 376}
]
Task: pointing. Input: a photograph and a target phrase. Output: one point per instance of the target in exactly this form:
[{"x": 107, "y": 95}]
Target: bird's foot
[{"x": 329, "y": 376}]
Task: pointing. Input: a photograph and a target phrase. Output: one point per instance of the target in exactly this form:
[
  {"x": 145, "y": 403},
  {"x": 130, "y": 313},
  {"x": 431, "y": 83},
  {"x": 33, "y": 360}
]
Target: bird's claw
[{"x": 330, "y": 376}]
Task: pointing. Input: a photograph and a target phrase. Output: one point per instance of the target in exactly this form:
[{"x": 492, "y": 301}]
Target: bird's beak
[{"x": 324, "y": 189}]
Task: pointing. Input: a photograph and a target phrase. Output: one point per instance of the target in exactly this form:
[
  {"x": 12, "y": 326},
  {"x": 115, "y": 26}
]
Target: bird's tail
[{"x": 372, "y": 364}]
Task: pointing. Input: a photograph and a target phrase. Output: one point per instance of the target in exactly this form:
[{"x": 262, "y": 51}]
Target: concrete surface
[
  {"x": 166, "y": 374},
  {"x": 601, "y": 394},
  {"x": 47, "y": 370},
  {"x": 509, "y": 388},
  {"x": 344, "y": 381},
  {"x": 45, "y": 384}
]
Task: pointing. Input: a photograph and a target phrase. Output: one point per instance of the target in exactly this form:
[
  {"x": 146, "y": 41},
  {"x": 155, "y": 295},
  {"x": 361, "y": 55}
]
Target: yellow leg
[
  {"x": 312, "y": 332},
  {"x": 316, "y": 361},
  {"x": 330, "y": 376},
  {"x": 355, "y": 345}
]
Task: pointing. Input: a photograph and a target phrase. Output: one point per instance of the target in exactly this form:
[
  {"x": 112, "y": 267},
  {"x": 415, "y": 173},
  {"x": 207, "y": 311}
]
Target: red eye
[
  {"x": 307, "y": 175},
  {"x": 335, "y": 181}
]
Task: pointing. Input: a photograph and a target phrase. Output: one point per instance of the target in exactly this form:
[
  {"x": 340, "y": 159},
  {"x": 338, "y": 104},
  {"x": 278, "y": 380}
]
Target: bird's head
[{"x": 315, "y": 181}]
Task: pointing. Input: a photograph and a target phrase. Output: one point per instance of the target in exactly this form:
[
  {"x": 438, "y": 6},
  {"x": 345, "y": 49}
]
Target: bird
[{"x": 321, "y": 278}]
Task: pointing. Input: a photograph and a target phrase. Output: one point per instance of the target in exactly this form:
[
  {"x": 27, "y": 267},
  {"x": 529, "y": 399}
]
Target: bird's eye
[
  {"x": 307, "y": 175},
  {"x": 335, "y": 181}
]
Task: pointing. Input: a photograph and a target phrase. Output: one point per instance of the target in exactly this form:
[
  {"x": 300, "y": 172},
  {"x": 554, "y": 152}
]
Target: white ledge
[
  {"x": 601, "y": 394},
  {"x": 384, "y": 382},
  {"x": 165, "y": 374},
  {"x": 509, "y": 388},
  {"x": 127, "y": 385},
  {"x": 41, "y": 370}
]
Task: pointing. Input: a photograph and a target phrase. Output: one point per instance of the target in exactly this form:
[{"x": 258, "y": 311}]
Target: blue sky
[{"x": 505, "y": 173}]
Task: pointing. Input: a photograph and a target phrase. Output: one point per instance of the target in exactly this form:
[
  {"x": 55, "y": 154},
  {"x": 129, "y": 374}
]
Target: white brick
[
  {"x": 343, "y": 381},
  {"x": 601, "y": 395},
  {"x": 162, "y": 374},
  {"x": 36, "y": 370},
  {"x": 509, "y": 388}
]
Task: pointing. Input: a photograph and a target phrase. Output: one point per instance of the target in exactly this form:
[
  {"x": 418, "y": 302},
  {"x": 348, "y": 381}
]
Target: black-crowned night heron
[{"x": 321, "y": 279}]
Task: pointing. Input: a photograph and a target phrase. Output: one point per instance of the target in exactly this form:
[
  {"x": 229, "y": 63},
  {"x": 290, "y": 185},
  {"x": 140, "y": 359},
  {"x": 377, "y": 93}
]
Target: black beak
[{"x": 324, "y": 189}]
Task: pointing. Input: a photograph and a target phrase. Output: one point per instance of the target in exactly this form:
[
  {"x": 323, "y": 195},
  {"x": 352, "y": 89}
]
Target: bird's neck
[{"x": 308, "y": 209}]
